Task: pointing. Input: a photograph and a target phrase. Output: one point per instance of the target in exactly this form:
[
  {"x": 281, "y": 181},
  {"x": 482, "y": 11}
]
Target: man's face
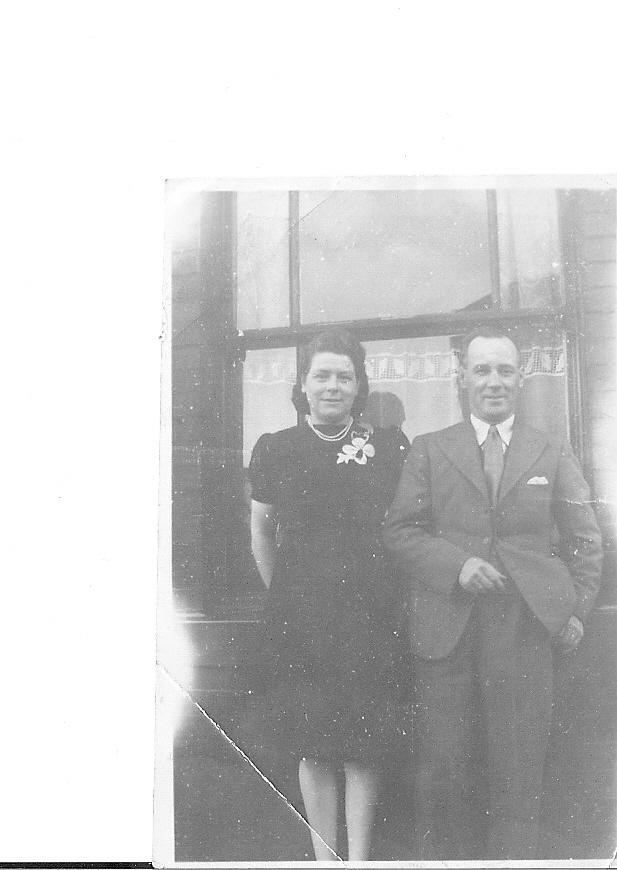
[{"x": 492, "y": 378}]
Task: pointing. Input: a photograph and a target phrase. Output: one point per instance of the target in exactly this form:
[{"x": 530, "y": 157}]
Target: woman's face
[{"x": 331, "y": 387}]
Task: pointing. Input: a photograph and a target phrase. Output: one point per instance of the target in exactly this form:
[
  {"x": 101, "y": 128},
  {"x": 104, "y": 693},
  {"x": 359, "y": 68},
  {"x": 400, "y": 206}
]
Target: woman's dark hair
[{"x": 338, "y": 341}]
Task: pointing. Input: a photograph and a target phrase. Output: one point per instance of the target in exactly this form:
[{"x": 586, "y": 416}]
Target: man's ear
[{"x": 462, "y": 384}]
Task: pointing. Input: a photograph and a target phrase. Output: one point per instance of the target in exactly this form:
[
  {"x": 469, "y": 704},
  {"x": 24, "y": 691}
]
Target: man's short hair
[{"x": 486, "y": 332}]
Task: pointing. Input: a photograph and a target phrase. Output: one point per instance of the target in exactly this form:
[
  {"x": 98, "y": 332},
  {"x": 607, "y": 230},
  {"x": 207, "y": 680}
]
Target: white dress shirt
[{"x": 505, "y": 430}]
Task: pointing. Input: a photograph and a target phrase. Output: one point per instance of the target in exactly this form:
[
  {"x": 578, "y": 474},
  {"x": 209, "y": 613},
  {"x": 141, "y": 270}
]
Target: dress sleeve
[{"x": 261, "y": 471}]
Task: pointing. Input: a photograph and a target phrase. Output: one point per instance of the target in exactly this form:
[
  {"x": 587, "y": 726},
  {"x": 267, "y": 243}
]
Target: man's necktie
[{"x": 493, "y": 461}]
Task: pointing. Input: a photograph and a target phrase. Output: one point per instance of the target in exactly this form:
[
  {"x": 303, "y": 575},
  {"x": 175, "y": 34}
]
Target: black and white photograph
[
  {"x": 388, "y": 602},
  {"x": 309, "y": 480}
]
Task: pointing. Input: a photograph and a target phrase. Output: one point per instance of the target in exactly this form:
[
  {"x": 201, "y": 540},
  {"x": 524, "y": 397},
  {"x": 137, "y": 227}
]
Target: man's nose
[
  {"x": 493, "y": 379},
  {"x": 332, "y": 383}
]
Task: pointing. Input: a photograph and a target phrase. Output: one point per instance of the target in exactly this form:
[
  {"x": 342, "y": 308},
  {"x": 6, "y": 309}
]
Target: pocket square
[{"x": 537, "y": 481}]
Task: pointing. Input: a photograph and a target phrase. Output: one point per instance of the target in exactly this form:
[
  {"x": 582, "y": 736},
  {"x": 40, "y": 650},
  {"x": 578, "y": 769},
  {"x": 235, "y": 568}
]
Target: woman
[{"x": 332, "y": 653}]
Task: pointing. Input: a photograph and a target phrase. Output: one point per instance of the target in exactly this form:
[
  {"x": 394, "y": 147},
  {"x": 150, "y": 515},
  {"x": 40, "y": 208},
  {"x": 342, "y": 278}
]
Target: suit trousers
[{"x": 481, "y": 720}]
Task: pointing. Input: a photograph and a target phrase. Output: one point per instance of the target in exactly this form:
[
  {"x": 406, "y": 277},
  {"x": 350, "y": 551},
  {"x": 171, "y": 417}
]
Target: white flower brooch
[{"x": 359, "y": 450}]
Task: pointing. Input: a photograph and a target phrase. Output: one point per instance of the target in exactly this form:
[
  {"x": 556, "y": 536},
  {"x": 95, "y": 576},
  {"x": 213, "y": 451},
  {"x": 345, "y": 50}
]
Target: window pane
[
  {"x": 269, "y": 376},
  {"x": 413, "y": 382},
  {"x": 392, "y": 253},
  {"x": 263, "y": 259},
  {"x": 530, "y": 272}
]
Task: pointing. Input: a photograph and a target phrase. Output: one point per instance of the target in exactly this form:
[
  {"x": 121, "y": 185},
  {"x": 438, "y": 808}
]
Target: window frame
[{"x": 565, "y": 318}]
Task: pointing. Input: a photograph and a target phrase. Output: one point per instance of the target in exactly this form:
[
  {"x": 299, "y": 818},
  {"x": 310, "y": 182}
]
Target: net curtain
[{"x": 413, "y": 385}]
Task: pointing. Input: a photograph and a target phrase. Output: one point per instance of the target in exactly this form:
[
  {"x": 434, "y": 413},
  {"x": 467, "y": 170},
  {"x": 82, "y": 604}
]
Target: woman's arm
[{"x": 263, "y": 539}]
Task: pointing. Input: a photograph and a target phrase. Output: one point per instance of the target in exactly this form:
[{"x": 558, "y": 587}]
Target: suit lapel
[
  {"x": 460, "y": 445},
  {"x": 525, "y": 447}
]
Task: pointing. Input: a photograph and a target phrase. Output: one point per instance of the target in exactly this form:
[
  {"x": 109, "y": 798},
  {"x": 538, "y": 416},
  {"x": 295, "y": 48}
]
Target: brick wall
[{"x": 596, "y": 227}]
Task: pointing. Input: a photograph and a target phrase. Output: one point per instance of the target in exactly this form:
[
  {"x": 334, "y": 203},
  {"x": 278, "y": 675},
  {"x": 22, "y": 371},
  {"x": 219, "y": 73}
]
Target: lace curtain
[{"x": 413, "y": 384}]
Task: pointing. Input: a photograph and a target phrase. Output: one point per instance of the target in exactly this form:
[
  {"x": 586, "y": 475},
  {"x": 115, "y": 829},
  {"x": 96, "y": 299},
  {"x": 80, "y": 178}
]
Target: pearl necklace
[{"x": 339, "y": 435}]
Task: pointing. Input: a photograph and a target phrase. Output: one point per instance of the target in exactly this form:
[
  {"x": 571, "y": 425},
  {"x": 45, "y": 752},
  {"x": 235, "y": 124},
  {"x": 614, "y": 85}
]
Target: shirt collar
[{"x": 481, "y": 429}]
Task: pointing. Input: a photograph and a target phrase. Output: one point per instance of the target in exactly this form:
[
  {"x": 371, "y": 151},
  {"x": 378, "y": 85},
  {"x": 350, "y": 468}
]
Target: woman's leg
[
  {"x": 319, "y": 791},
  {"x": 362, "y": 786}
]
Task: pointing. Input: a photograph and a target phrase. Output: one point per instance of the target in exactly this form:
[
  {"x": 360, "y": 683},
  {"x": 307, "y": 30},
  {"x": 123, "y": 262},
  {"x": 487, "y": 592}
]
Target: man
[{"x": 470, "y": 530}]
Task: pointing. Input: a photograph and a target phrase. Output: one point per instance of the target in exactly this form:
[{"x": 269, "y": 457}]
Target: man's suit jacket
[{"x": 441, "y": 515}]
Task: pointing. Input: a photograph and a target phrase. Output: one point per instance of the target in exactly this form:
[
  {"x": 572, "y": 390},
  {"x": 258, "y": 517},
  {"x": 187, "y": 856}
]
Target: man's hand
[
  {"x": 571, "y": 634},
  {"x": 479, "y": 576}
]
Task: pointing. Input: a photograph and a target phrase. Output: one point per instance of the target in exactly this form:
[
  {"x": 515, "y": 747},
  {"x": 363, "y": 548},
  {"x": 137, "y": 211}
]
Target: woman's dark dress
[{"x": 333, "y": 652}]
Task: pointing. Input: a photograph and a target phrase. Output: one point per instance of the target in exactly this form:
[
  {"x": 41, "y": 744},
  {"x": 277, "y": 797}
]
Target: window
[
  {"x": 268, "y": 378},
  {"x": 262, "y": 259},
  {"x": 386, "y": 254},
  {"x": 408, "y": 271},
  {"x": 318, "y": 258}
]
